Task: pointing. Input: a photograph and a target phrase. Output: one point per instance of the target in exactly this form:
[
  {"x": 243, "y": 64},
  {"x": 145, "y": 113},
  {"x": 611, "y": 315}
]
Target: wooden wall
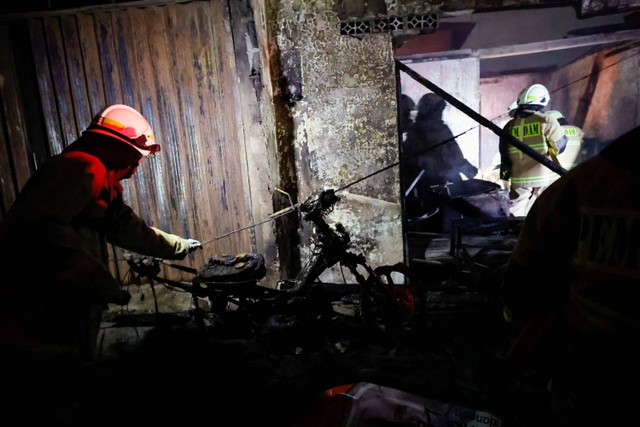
[{"x": 175, "y": 64}]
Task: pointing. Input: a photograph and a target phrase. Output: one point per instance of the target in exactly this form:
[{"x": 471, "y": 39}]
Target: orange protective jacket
[{"x": 54, "y": 261}]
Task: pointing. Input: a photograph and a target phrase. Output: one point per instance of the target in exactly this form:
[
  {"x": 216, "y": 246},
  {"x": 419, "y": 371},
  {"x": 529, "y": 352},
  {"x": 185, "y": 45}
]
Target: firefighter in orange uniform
[{"x": 56, "y": 281}]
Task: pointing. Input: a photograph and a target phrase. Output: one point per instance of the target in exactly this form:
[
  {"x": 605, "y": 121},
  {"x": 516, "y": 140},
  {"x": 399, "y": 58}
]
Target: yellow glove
[
  {"x": 192, "y": 244},
  {"x": 181, "y": 245},
  {"x": 553, "y": 153}
]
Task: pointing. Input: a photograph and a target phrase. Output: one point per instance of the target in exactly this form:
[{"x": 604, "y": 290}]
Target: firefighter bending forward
[{"x": 56, "y": 281}]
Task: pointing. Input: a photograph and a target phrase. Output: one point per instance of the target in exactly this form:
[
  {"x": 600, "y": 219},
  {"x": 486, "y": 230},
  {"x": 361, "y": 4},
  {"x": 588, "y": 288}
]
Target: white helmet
[
  {"x": 127, "y": 125},
  {"x": 535, "y": 94}
]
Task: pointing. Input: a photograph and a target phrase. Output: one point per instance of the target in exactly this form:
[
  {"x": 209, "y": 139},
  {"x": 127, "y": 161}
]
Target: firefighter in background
[
  {"x": 56, "y": 280},
  {"x": 530, "y": 124},
  {"x": 572, "y": 154},
  {"x": 572, "y": 286}
]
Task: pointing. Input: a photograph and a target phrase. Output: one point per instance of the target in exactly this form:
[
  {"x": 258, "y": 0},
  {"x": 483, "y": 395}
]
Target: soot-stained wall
[{"x": 341, "y": 93}]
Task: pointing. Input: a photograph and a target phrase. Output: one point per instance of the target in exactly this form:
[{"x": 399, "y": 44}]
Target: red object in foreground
[{"x": 365, "y": 404}]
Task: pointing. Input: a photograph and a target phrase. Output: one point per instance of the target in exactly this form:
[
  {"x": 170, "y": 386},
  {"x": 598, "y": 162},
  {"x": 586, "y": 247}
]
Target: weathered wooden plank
[
  {"x": 56, "y": 47},
  {"x": 15, "y": 145},
  {"x": 185, "y": 135},
  {"x": 138, "y": 74},
  {"x": 257, "y": 160},
  {"x": 92, "y": 61},
  {"x": 125, "y": 59},
  {"x": 46, "y": 85},
  {"x": 208, "y": 167},
  {"x": 171, "y": 188},
  {"x": 204, "y": 164},
  {"x": 214, "y": 27},
  {"x": 106, "y": 46},
  {"x": 171, "y": 177},
  {"x": 75, "y": 67}
]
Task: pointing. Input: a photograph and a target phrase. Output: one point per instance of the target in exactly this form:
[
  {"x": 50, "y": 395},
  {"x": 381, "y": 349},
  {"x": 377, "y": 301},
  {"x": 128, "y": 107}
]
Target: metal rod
[{"x": 482, "y": 120}]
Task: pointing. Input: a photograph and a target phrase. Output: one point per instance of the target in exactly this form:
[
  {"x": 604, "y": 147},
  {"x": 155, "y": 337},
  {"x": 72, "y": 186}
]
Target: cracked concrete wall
[{"x": 341, "y": 92}]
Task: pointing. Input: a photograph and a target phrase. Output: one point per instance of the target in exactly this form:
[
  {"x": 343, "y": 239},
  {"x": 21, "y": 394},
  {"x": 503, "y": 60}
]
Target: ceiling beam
[{"x": 529, "y": 48}]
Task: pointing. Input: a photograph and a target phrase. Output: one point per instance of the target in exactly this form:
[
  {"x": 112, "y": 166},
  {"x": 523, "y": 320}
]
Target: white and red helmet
[{"x": 127, "y": 125}]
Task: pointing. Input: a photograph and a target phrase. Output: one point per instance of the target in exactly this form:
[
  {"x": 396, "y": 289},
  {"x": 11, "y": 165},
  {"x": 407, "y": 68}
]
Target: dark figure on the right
[
  {"x": 571, "y": 290},
  {"x": 432, "y": 154}
]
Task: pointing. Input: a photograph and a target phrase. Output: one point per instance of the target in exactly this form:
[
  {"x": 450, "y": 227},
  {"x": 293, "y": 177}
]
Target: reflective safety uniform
[
  {"x": 528, "y": 177},
  {"x": 541, "y": 133},
  {"x": 571, "y": 155}
]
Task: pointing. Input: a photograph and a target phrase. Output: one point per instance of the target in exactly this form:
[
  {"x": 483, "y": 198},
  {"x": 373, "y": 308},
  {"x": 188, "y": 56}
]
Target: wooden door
[{"x": 175, "y": 64}]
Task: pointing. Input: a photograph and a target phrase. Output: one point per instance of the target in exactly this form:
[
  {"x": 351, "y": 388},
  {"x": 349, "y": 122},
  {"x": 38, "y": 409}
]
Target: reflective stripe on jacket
[
  {"x": 571, "y": 154},
  {"x": 540, "y": 132}
]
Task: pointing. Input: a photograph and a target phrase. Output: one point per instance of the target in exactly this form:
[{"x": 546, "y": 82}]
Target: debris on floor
[{"x": 454, "y": 355}]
